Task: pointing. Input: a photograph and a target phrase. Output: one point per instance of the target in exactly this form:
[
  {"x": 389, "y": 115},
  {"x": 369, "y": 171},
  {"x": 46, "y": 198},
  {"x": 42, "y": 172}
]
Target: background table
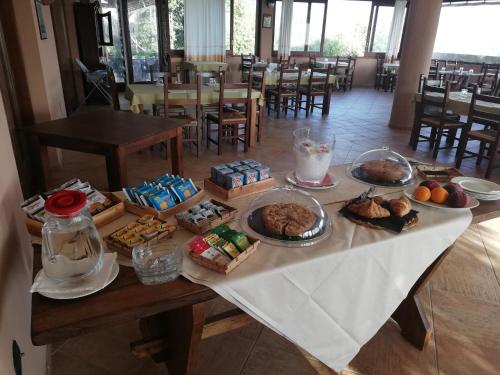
[
  {"x": 205, "y": 66},
  {"x": 325, "y": 63},
  {"x": 460, "y": 103},
  {"x": 272, "y": 78},
  {"x": 141, "y": 94},
  {"x": 172, "y": 313},
  {"x": 114, "y": 134}
]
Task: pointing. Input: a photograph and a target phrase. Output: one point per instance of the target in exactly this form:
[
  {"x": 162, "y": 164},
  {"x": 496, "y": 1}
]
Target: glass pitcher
[
  {"x": 71, "y": 246},
  {"x": 313, "y": 150}
]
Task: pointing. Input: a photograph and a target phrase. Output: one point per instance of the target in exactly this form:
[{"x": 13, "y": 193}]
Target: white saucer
[
  {"x": 71, "y": 294},
  {"x": 328, "y": 182},
  {"x": 473, "y": 203},
  {"x": 477, "y": 185}
]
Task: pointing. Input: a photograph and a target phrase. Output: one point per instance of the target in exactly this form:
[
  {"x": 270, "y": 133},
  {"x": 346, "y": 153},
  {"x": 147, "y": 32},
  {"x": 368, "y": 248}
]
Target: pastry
[
  {"x": 382, "y": 170},
  {"x": 368, "y": 208},
  {"x": 287, "y": 219},
  {"x": 400, "y": 207}
]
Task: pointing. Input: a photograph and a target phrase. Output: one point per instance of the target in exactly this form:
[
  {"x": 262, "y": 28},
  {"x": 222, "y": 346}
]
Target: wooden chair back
[
  {"x": 434, "y": 101},
  {"x": 113, "y": 88},
  {"x": 170, "y": 88},
  {"x": 223, "y": 100},
  {"x": 312, "y": 61},
  {"x": 319, "y": 79},
  {"x": 380, "y": 65},
  {"x": 489, "y": 75},
  {"x": 246, "y": 64},
  {"x": 258, "y": 80},
  {"x": 289, "y": 80},
  {"x": 475, "y": 111}
]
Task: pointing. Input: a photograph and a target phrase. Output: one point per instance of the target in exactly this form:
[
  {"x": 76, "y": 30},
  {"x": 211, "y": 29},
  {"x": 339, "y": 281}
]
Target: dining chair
[
  {"x": 312, "y": 62},
  {"x": 246, "y": 63},
  {"x": 185, "y": 94},
  {"x": 435, "y": 99},
  {"x": 489, "y": 137},
  {"x": 113, "y": 89},
  {"x": 97, "y": 79},
  {"x": 258, "y": 75},
  {"x": 489, "y": 78},
  {"x": 286, "y": 91},
  {"x": 229, "y": 120},
  {"x": 380, "y": 74},
  {"x": 433, "y": 70},
  {"x": 318, "y": 85}
]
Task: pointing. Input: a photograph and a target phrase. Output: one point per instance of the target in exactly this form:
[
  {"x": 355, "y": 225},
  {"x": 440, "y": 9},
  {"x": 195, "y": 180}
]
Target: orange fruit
[
  {"x": 422, "y": 193},
  {"x": 439, "y": 195}
]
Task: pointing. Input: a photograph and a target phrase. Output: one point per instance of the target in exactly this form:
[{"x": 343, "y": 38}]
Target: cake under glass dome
[
  {"x": 382, "y": 167},
  {"x": 286, "y": 216}
]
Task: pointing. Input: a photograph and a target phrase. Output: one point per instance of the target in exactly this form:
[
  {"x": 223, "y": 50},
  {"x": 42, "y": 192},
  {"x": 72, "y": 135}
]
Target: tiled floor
[{"x": 462, "y": 300}]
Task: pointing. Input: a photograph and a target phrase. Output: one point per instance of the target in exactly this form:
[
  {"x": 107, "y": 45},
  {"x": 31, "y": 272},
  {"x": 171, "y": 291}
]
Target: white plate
[
  {"x": 484, "y": 197},
  {"x": 477, "y": 185},
  {"x": 473, "y": 203},
  {"x": 77, "y": 294},
  {"x": 290, "y": 177}
]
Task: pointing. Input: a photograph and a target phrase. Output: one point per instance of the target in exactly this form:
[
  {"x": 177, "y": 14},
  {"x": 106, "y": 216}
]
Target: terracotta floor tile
[
  {"x": 66, "y": 365},
  {"x": 467, "y": 334}
]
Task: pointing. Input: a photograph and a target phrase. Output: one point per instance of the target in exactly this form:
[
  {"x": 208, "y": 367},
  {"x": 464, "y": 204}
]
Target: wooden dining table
[
  {"x": 172, "y": 316},
  {"x": 114, "y": 134}
]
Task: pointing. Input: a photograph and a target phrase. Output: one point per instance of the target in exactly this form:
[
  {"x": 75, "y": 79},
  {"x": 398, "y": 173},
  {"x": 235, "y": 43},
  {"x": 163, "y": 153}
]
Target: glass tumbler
[{"x": 158, "y": 262}]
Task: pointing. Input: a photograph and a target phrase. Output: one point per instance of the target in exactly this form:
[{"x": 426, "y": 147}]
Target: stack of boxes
[{"x": 238, "y": 173}]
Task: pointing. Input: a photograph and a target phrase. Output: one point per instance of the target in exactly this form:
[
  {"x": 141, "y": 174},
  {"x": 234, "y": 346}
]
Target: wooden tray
[
  {"x": 102, "y": 218},
  {"x": 206, "y": 225},
  {"x": 139, "y": 210},
  {"x": 444, "y": 174},
  {"x": 204, "y": 262},
  {"x": 240, "y": 191},
  {"x": 126, "y": 250}
]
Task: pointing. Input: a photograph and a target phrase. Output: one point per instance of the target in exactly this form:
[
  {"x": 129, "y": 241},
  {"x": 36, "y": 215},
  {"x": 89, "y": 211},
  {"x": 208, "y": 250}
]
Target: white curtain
[
  {"x": 396, "y": 30},
  {"x": 204, "y": 30},
  {"x": 285, "y": 28}
]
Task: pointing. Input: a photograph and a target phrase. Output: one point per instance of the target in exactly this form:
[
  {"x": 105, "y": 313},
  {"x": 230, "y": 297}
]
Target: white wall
[{"x": 16, "y": 257}]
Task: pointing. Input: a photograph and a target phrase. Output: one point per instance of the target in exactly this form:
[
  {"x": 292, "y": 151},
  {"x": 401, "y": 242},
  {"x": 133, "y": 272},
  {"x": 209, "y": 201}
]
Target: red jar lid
[{"x": 66, "y": 202}]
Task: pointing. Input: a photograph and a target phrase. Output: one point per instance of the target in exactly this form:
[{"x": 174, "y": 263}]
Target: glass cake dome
[
  {"x": 382, "y": 167},
  {"x": 288, "y": 217}
]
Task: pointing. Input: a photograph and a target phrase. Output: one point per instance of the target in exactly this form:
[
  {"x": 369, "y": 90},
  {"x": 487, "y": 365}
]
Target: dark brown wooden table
[
  {"x": 114, "y": 134},
  {"x": 172, "y": 317}
]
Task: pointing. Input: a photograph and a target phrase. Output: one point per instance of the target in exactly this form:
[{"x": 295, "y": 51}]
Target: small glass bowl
[{"x": 157, "y": 263}]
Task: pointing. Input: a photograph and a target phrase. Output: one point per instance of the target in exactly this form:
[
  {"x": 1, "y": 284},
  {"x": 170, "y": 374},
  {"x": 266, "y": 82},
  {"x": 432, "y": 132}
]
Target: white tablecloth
[{"x": 330, "y": 299}]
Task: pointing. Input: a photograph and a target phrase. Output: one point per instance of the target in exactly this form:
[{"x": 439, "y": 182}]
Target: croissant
[
  {"x": 400, "y": 207},
  {"x": 368, "y": 208}
]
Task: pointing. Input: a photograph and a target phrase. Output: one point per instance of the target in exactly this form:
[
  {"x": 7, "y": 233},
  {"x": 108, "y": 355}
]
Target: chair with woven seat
[
  {"x": 489, "y": 137},
  {"x": 312, "y": 62},
  {"x": 246, "y": 64},
  {"x": 285, "y": 96},
  {"x": 258, "y": 74},
  {"x": 488, "y": 79},
  {"x": 317, "y": 86},
  {"x": 381, "y": 75},
  {"x": 437, "y": 100},
  {"x": 185, "y": 94},
  {"x": 230, "y": 121}
]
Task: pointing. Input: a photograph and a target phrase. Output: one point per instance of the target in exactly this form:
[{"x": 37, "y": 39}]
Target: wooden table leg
[
  {"x": 252, "y": 127},
  {"x": 176, "y": 147},
  {"x": 410, "y": 316},
  {"x": 44, "y": 166},
  {"x": 116, "y": 168},
  {"x": 182, "y": 328}
]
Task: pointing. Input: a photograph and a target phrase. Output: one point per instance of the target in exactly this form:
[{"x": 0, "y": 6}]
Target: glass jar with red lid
[{"x": 71, "y": 246}]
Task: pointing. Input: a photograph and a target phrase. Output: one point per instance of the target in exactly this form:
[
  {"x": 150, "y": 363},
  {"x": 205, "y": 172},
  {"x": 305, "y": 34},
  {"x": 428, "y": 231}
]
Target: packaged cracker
[
  {"x": 233, "y": 180},
  {"x": 264, "y": 172},
  {"x": 185, "y": 189},
  {"x": 241, "y": 168},
  {"x": 33, "y": 205},
  {"x": 233, "y": 164},
  {"x": 220, "y": 176},
  {"x": 215, "y": 169},
  {"x": 163, "y": 200}
]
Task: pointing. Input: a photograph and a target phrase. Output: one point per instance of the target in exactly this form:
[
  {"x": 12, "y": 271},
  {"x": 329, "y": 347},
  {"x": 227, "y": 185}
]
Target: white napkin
[{"x": 46, "y": 285}]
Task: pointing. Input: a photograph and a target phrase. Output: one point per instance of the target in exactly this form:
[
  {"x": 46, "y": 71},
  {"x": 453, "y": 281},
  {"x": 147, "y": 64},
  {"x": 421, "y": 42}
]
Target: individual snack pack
[
  {"x": 201, "y": 212},
  {"x": 163, "y": 193},
  {"x": 142, "y": 230},
  {"x": 239, "y": 173},
  {"x": 96, "y": 201},
  {"x": 227, "y": 242}
]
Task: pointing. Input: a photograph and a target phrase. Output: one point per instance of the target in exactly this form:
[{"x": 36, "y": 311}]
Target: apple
[
  {"x": 458, "y": 199},
  {"x": 430, "y": 184}
]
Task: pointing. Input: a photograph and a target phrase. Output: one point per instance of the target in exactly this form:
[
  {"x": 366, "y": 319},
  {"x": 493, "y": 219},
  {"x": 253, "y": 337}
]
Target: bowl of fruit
[{"x": 448, "y": 196}]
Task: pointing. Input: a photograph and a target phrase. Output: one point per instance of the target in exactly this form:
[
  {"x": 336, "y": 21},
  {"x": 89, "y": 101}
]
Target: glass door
[
  {"x": 141, "y": 35},
  {"x": 114, "y": 53}
]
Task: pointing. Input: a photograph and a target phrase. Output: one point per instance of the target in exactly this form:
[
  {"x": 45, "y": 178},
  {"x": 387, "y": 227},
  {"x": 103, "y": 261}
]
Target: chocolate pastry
[
  {"x": 400, "y": 207},
  {"x": 287, "y": 219},
  {"x": 383, "y": 170},
  {"x": 368, "y": 208}
]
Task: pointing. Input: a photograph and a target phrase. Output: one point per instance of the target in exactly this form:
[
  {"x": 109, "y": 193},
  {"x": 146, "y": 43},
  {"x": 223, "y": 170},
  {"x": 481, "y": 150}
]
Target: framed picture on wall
[
  {"x": 41, "y": 21},
  {"x": 267, "y": 21}
]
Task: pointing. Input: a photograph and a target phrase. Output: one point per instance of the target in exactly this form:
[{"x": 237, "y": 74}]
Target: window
[
  {"x": 176, "y": 24},
  {"x": 240, "y": 24},
  {"x": 346, "y": 27},
  {"x": 381, "y": 27},
  {"x": 307, "y": 25},
  {"x": 458, "y": 35}
]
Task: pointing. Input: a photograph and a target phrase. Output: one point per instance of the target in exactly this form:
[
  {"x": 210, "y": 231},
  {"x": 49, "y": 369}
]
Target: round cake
[
  {"x": 287, "y": 219},
  {"x": 383, "y": 170}
]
